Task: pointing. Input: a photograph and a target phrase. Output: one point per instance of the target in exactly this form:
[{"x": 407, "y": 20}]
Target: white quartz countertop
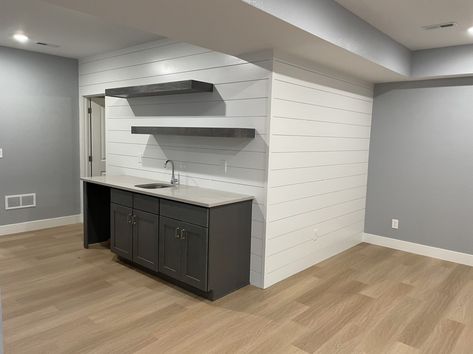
[{"x": 188, "y": 194}]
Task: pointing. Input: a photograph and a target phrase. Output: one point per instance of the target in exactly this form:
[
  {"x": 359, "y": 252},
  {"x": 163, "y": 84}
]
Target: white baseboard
[
  {"x": 39, "y": 224},
  {"x": 434, "y": 252}
]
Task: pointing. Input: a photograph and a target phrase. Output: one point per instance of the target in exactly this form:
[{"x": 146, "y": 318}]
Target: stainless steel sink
[{"x": 153, "y": 185}]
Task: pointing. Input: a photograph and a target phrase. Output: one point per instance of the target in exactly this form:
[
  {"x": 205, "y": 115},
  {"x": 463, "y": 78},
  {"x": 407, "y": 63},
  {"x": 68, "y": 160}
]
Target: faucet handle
[{"x": 176, "y": 180}]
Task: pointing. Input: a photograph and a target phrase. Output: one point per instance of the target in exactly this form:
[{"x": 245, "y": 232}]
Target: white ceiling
[
  {"x": 77, "y": 34},
  {"x": 403, "y": 20}
]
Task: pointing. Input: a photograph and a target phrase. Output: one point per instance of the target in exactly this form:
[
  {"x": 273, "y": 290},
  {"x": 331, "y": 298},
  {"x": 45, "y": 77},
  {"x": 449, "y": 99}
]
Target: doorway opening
[{"x": 95, "y": 136}]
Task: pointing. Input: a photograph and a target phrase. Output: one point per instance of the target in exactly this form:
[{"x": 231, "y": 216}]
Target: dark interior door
[
  {"x": 121, "y": 230},
  {"x": 145, "y": 239}
]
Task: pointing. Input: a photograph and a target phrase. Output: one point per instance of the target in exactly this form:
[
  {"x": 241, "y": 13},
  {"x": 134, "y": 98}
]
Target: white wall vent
[
  {"x": 20, "y": 201},
  {"x": 445, "y": 25},
  {"x": 44, "y": 44}
]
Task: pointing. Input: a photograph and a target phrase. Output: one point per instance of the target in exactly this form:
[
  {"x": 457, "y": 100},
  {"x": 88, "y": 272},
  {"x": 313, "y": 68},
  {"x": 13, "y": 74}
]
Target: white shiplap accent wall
[
  {"x": 318, "y": 162},
  {"x": 241, "y": 99}
]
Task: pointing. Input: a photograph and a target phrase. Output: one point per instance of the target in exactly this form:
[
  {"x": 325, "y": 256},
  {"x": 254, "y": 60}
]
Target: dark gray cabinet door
[
  {"x": 194, "y": 255},
  {"x": 169, "y": 247},
  {"x": 145, "y": 239},
  {"x": 121, "y": 241}
]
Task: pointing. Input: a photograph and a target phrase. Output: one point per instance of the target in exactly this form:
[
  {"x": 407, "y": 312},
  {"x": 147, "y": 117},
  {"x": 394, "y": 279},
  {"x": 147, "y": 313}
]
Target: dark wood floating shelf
[
  {"x": 196, "y": 131},
  {"x": 166, "y": 88}
]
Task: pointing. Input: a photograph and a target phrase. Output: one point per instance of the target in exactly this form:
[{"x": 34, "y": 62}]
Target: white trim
[
  {"x": 434, "y": 252},
  {"x": 39, "y": 224}
]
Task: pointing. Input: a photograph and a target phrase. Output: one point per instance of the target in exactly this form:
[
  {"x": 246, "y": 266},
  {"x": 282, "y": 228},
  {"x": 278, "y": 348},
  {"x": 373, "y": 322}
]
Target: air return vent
[
  {"x": 20, "y": 201},
  {"x": 445, "y": 25},
  {"x": 44, "y": 44}
]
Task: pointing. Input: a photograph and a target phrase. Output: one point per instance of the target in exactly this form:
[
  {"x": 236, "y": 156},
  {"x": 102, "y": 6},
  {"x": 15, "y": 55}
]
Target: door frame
[
  {"x": 84, "y": 165},
  {"x": 85, "y": 133}
]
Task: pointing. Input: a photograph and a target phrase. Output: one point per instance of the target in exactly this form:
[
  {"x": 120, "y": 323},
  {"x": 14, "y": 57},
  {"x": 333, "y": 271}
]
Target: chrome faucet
[{"x": 174, "y": 180}]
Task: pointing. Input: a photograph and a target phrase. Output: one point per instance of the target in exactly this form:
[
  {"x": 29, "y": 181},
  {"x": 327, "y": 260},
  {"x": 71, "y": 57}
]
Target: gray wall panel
[
  {"x": 421, "y": 163},
  {"x": 442, "y": 62},
  {"x": 335, "y": 24},
  {"x": 39, "y": 134}
]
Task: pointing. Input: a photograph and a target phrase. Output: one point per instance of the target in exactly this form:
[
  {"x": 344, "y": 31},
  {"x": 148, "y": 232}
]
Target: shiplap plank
[
  {"x": 291, "y": 239},
  {"x": 124, "y": 51},
  {"x": 175, "y": 65},
  {"x": 258, "y": 144},
  {"x": 301, "y": 250},
  {"x": 301, "y": 206},
  {"x": 289, "y": 109},
  {"x": 297, "y": 222},
  {"x": 318, "y": 173},
  {"x": 299, "y": 191},
  {"x": 321, "y": 78},
  {"x": 287, "y": 143},
  {"x": 161, "y": 51},
  {"x": 242, "y": 159},
  {"x": 298, "y": 93},
  {"x": 285, "y": 126},
  {"x": 250, "y": 107},
  {"x": 296, "y": 259},
  {"x": 287, "y": 160},
  {"x": 244, "y": 176}
]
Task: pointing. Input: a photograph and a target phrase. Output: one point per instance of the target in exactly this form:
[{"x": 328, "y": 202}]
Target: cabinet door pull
[
  {"x": 177, "y": 234},
  {"x": 183, "y": 234},
  {"x": 128, "y": 218},
  {"x": 134, "y": 219}
]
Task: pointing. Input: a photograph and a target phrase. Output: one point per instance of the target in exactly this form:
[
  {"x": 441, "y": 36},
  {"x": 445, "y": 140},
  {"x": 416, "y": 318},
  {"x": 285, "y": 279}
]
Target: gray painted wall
[
  {"x": 335, "y": 24},
  {"x": 39, "y": 134},
  {"x": 442, "y": 62},
  {"x": 421, "y": 163}
]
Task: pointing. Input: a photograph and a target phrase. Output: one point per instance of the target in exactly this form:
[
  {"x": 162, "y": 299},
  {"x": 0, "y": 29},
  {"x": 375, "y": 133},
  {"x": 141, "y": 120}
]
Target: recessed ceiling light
[
  {"x": 20, "y": 37},
  {"x": 470, "y": 30}
]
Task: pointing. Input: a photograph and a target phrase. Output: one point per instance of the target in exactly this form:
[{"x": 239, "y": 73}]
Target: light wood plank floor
[{"x": 59, "y": 298}]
